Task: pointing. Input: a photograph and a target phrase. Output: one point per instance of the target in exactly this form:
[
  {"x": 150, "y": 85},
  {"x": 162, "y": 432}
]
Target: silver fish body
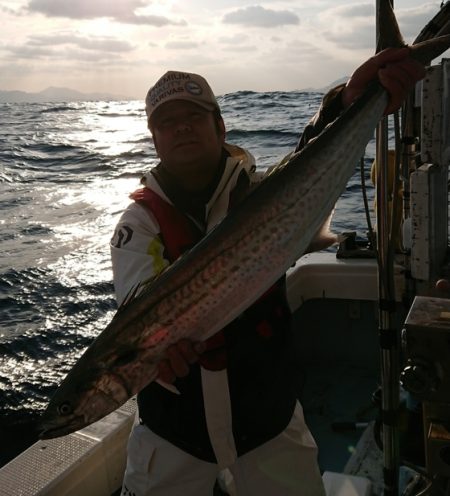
[{"x": 221, "y": 276}]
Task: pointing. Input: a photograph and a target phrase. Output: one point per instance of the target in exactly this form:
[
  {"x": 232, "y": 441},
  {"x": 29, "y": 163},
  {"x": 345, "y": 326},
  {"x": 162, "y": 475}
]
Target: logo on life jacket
[{"x": 122, "y": 236}]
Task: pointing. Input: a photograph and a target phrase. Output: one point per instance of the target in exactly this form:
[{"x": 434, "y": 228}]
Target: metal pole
[
  {"x": 387, "y": 332},
  {"x": 388, "y": 335}
]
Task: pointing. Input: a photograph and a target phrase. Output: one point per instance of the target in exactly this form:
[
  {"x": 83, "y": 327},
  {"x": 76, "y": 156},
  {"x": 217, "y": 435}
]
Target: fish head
[
  {"x": 73, "y": 407},
  {"x": 96, "y": 387}
]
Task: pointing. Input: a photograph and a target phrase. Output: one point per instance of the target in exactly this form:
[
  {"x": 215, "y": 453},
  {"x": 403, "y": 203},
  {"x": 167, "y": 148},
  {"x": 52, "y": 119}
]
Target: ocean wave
[
  {"x": 269, "y": 134},
  {"x": 120, "y": 114},
  {"x": 55, "y": 108}
]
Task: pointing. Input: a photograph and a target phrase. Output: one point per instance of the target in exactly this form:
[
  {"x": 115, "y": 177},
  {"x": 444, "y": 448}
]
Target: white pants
[{"x": 284, "y": 466}]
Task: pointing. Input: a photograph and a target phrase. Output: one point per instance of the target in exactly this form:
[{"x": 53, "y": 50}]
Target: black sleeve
[{"x": 329, "y": 110}]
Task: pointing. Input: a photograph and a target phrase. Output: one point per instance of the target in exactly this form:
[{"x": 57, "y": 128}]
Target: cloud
[
  {"x": 258, "y": 16},
  {"x": 103, "y": 44},
  {"x": 298, "y": 54},
  {"x": 85, "y": 9},
  {"x": 359, "y": 37},
  {"x": 346, "y": 16},
  {"x": 241, "y": 48},
  {"x": 352, "y": 11},
  {"x": 66, "y": 58},
  {"x": 352, "y": 26},
  {"x": 236, "y": 39},
  {"x": 8, "y": 11},
  {"x": 181, "y": 45},
  {"x": 151, "y": 20},
  {"x": 123, "y": 11},
  {"x": 68, "y": 46},
  {"x": 413, "y": 20},
  {"x": 27, "y": 52},
  {"x": 349, "y": 26}
]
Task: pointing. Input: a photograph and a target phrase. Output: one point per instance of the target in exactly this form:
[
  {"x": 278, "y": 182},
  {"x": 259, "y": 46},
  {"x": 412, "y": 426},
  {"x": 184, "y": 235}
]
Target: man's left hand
[
  {"x": 396, "y": 70},
  {"x": 180, "y": 356}
]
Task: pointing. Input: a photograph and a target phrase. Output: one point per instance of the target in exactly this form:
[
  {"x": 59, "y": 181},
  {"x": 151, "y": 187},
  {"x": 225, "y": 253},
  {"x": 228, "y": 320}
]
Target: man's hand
[
  {"x": 395, "y": 70},
  {"x": 180, "y": 356}
]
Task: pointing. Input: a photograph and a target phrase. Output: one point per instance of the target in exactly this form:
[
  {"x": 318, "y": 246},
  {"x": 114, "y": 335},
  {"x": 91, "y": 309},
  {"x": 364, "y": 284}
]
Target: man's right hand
[{"x": 180, "y": 356}]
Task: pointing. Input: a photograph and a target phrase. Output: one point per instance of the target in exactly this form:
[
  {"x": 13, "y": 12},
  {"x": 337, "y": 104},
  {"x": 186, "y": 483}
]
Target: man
[{"x": 227, "y": 406}]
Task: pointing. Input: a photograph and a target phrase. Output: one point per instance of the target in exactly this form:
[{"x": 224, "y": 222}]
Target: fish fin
[
  {"x": 140, "y": 288},
  {"x": 130, "y": 296},
  {"x": 324, "y": 237},
  {"x": 275, "y": 169},
  {"x": 170, "y": 387}
]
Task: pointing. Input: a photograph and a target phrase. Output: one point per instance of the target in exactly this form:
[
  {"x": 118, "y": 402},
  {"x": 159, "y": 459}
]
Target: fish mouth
[{"x": 51, "y": 430}]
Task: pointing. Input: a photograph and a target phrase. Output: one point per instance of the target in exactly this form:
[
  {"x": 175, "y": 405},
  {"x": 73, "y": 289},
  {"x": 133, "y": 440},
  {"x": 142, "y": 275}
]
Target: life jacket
[
  {"x": 178, "y": 234},
  {"x": 256, "y": 349}
]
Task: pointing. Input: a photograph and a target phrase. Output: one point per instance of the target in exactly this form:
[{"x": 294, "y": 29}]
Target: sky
[{"x": 123, "y": 46}]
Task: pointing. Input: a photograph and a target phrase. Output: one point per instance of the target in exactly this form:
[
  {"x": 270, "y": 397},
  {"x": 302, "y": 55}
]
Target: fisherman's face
[{"x": 188, "y": 140}]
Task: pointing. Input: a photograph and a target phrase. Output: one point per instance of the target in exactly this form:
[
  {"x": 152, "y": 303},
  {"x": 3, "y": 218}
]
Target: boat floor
[
  {"x": 338, "y": 360},
  {"x": 338, "y": 357},
  {"x": 332, "y": 403}
]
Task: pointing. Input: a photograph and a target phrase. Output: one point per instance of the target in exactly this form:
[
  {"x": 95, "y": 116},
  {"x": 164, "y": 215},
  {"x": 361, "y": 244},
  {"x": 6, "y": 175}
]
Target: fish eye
[{"x": 65, "y": 408}]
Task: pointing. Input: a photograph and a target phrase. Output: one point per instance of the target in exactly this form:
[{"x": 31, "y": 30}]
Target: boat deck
[{"x": 338, "y": 356}]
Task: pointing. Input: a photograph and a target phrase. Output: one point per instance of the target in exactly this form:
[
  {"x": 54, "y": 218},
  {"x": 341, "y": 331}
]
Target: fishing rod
[{"x": 438, "y": 26}]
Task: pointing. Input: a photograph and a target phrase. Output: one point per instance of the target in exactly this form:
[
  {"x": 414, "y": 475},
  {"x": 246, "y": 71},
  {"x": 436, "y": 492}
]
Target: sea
[{"x": 66, "y": 170}]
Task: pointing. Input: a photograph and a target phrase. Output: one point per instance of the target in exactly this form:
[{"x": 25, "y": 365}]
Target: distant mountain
[
  {"x": 341, "y": 80},
  {"x": 54, "y": 94},
  {"x": 57, "y": 94}
]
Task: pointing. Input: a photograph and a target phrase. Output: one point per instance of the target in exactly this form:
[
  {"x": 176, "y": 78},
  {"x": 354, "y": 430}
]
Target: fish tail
[
  {"x": 389, "y": 36},
  {"x": 388, "y": 32}
]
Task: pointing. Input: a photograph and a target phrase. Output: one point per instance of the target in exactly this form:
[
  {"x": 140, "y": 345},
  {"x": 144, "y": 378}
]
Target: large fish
[{"x": 226, "y": 272}]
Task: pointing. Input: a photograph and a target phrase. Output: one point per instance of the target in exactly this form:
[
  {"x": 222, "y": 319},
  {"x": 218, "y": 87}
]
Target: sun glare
[{"x": 112, "y": 129}]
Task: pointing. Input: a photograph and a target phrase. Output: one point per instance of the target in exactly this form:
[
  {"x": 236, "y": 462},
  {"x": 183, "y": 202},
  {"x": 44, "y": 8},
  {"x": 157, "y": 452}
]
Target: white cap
[{"x": 175, "y": 85}]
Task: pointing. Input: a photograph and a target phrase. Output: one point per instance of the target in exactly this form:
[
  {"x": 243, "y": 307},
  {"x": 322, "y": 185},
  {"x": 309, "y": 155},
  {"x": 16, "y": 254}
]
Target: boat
[{"x": 372, "y": 338}]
